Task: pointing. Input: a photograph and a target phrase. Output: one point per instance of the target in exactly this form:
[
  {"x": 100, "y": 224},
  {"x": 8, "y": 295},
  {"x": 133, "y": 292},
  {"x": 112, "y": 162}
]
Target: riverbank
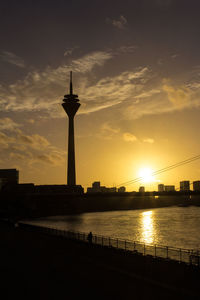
[
  {"x": 40, "y": 266},
  {"x": 48, "y": 204}
]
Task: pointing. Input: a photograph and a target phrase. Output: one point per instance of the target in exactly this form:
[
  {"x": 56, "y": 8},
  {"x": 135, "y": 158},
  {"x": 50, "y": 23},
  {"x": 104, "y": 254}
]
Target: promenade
[{"x": 35, "y": 265}]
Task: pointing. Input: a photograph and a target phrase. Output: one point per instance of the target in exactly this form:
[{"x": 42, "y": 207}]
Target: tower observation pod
[{"x": 71, "y": 105}]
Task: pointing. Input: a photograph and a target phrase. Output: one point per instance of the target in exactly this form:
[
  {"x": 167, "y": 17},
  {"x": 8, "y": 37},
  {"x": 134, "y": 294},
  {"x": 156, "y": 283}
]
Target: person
[{"x": 89, "y": 237}]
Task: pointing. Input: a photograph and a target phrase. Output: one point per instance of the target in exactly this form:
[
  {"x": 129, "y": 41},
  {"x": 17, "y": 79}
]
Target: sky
[{"x": 136, "y": 69}]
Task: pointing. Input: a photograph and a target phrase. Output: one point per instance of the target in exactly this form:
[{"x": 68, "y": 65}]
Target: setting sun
[{"x": 146, "y": 175}]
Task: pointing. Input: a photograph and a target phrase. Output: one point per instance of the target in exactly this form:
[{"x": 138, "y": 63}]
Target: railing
[{"x": 170, "y": 253}]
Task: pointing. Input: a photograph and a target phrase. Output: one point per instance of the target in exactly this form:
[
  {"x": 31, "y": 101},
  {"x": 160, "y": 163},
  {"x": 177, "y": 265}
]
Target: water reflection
[{"x": 147, "y": 226}]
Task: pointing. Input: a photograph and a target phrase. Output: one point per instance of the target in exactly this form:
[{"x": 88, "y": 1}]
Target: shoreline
[{"x": 42, "y": 266}]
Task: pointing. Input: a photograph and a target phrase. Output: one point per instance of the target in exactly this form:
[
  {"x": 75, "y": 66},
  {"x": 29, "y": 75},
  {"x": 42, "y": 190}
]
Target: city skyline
[{"x": 137, "y": 72}]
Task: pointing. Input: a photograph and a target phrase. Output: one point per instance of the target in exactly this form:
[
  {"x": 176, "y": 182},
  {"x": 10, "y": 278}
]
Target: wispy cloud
[
  {"x": 129, "y": 137},
  {"x": 114, "y": 90},
  {"x": 44, "y": 90},
  {"x": 8, "y": 124},
  {"x": 70, "y": 50},
  {"x": 148, "y": 140},
  {"x": 29, "y": 149},
  {"x": 12, "y": 59},
  {"x": 135, "y": 92},
  {"x": 120, "y": 23}
]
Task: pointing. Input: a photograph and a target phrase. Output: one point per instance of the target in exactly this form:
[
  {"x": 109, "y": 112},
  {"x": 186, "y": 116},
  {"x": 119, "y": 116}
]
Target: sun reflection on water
[{"x": 147, "y": 227}]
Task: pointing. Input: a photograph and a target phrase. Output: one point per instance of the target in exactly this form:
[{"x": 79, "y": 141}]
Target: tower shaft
[{"x": 71, "y": 170}]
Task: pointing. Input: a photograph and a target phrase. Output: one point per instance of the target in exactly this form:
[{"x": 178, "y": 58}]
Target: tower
[{"x": 71, "y": 105}]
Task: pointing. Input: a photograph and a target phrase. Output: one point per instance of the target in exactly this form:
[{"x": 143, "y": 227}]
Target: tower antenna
[{"x": 71, "y": 86}]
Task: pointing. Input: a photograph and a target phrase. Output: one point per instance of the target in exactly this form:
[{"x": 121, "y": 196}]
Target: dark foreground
[{"x": 34, "y": 265}]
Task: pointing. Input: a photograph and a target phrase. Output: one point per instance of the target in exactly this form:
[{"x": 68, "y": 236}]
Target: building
[
  {"x": 169, "y": 188},
  {"x": 8, "y": 177},
  {"x": 141, "y": 189},
  {"x": 184, "y": 186},
  {"x": 121, "y": 189},
  {"x": 196, "y": 185},
  {"x": 97, "y": 188},
  {"x": 58, "y": 189},
  {"x": 71, "y": 105},
  {"x": 161, "y": 188}
]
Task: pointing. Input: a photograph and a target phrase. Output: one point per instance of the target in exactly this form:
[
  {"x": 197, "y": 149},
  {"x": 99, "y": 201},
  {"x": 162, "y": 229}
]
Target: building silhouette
[
  {"x": 185, "y": 185},
  {"x": 169, "y": 188},
  {"x": 196, "y": 185},
  {"x": 141, "y": 189},
  {"x": 71, "y": 105},
  {"x": 8, "y": 177},
  {"x": 161, "y": 188},
  {"x": 98, "y": 188},
  {"x": 121, "y": 189}
]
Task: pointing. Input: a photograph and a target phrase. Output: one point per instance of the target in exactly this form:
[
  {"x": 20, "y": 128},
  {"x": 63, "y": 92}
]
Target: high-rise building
[
  {"x": 161, "y": 188},
  {"x": 141, "y": 189},
  {"x": 169, "y": 188},
  {"x": 8, "y": 176},
  {"x": 121, "y": 189},
  {"x": 185, "y": 185},
  {"x": 71, "y": 105},
  {"x": 196, "y": 185},
  {"x": 96, "y": 185}
]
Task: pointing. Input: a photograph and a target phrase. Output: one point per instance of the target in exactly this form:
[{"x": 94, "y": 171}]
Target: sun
[{"x": 146, "y": 175}]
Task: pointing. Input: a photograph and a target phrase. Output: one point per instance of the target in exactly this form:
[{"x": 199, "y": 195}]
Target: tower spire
[
  {"x": 71, "y": 97},
  {"x": 71, "y": 86}
]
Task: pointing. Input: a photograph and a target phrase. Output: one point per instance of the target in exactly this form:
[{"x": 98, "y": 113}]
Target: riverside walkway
[
  {"x": 188, "y": 256},
  {"x": 37, "y": 264}
]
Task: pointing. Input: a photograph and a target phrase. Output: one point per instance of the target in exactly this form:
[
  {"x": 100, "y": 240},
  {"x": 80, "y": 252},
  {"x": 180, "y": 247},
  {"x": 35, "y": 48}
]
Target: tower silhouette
[{"x": 71, "y": 105}]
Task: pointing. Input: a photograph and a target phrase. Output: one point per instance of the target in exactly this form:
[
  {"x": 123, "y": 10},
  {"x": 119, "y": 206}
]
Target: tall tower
[{"x": 71, "y": 105}]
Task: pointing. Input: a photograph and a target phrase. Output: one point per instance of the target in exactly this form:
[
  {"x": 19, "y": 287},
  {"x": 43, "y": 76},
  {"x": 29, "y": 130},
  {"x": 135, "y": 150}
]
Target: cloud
[
  {"x": 44, "y": 90},
  {"x": 107, "y": 131},
  {"x": 114, "y": 90},
  {"x": 88, "y": 62},
  {"x": 36, "y": 141},
  {"x": 127, "y": 49},
  {"x": 178, "y": 96},
  {"x": 147, "y": 94},
  {"x": 120, "y": 23},
  {"x": 148, "y": 140},
  {"x": 12, "y": 59},
  {"x": 29, "y": 149},
  {"x": 51, "y": 158},
  {"x": 8, "y": 124},
  {"x": 70, "y": 50},
  {"x": 129, "y": 137},
  {"x": 5, "y": 140},
  {"x": 135, "y": 93}
]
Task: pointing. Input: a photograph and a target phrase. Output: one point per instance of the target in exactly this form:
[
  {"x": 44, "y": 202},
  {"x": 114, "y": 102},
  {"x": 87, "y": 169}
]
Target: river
[{"x": 171, "y": 226}]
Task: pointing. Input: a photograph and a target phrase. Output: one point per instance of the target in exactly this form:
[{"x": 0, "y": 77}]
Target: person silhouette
[{"x": 89, "y": 237}]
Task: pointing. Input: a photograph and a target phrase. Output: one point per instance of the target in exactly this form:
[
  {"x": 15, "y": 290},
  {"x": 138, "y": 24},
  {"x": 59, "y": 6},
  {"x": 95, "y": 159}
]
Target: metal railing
[{"x": 169, "y": 253}]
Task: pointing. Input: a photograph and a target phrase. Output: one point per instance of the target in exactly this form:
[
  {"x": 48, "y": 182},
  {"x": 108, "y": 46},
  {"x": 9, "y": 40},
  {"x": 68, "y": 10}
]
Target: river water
[{"x": 171, "y": 226}]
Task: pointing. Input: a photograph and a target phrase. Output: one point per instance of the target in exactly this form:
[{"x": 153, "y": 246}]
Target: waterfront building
[
  {"x": 58, "y": 189},
  {"x": 96, "y": 185},
  {"x": 121, "y": 189},
  {"x": 185, "y": 185},
  {"x": 196, "y": 185},
  {"x": 161, "y": 188},
  {"x": 71, "y": 105},
  {"x": 8, "y": 177},
  {"x": 97, "y": 188},
  {"x": 141, "y": 189},
  {"x": 169, "y": 188}
]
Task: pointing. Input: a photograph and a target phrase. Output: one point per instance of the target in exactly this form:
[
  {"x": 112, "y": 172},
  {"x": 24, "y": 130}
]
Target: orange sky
[{"x": 137, "y": 73}]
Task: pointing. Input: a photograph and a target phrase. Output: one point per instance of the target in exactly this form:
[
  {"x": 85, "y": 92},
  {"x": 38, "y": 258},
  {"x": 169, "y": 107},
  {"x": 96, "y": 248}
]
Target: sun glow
[
  {"x": 146, "y": 175},
  {"x": 147, "y": 224}
]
